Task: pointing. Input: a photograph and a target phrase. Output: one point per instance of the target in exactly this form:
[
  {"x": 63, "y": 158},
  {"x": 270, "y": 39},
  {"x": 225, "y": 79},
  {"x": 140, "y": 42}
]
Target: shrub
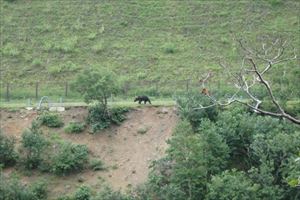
[
  {"x": 96, "y": 165},
  {"x": 70, "y": 157},
  {"x": 8, "y": 156},
  {"x": 11, "y": 188},
  {"x": 34, "y": 143},
  {"x": 189, "y": 102},
  {"x": 108, "y": 194},
  {"x": 232, "y": 185},
  {"x": 51, "y": 120},
  {"x": 117, "y": 114},
  {"x": 83, "y": 193},
  {"x": 99, "y": 118},
  {"x": 75, "y": 127},
  {"x": 39, "y": 190},
  {"x": 65, "y": 197}
]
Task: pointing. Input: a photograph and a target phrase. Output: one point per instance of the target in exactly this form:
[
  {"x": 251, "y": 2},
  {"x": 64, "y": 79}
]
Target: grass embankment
[
  {"x": 19, "y": 104},
  {"x": 138, "y": 39}
]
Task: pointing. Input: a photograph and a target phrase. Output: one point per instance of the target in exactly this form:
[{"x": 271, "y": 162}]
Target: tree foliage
[
  {"x": 240, "y": 155},
  {"x": 96, "y": 85},
  {"x": 8, "y": 155}
]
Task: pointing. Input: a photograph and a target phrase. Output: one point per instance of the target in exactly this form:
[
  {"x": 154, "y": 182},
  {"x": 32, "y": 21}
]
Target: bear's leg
[
  {"x": 145, "y": 101},
  {"x": 140, "y": 101}
]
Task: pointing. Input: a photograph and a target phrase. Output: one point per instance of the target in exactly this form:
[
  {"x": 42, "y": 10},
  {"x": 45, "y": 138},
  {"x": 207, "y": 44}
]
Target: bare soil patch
[{"x": 127, "y": 150}]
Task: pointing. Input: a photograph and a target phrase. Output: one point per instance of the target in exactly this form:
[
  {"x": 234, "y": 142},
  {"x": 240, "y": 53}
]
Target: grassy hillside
[{"x": 139, "y": 39}]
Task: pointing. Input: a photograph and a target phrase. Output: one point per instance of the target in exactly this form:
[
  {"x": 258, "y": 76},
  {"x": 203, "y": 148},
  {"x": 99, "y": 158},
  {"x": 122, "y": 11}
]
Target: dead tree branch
[{"x": 250, "y": 74}]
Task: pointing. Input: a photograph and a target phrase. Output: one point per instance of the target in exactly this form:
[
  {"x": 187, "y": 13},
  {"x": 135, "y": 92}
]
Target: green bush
[
  {"x": 65, "y": 197},
  {"x": 96, "y": 165},
  {"x": 83, "y": 193},
  {"x": 52, "y": 120},
  {"x": 34, "y": 144},
  {"x": 12, "y": 188},
  {"x": 75, "y": 127},
  {"x": 39, "y": 190},
  {"x": 189, "y": 102},
  {"x": 100, "y": 118},
  {"x": 108, "y": 194},
  {"x": 117, "y": 114},
  {"x": 69, "y": 157},
  {"x": 192, "y": 158},
  {"x": 232, "y": 185},
  {"x": 8, "y": 156}
]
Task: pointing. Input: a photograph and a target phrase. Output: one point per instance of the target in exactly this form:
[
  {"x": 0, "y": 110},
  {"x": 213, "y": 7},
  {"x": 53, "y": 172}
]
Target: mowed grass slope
[{"x": 138, "y": 39}]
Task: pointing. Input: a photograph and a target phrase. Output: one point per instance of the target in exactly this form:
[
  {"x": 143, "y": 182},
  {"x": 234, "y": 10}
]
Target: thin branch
[
  {"x": 268, "y": 87},
  {"x": 241, "y": 82}
]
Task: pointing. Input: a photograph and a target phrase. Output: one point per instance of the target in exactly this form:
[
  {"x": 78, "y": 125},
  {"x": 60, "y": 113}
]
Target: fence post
[
  {"x": 7, "y": 92},
  {"x": 36, "y": 90},
  {"x": 156, "y": 88},
  {"x": 187, "y": 84},
  {"x": 66, "y": 89}
]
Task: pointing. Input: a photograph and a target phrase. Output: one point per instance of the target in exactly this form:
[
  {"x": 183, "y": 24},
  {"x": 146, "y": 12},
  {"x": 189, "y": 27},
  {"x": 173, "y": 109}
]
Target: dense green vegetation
[
  {"x": 52, "y": 120},
  {"x": 12, "y": 188},
  {"x": 74, "y": 127},
  {"x": 224, "y": 154},
  {"x": 152, "y": 47},
  {"x": 100, "y": 117},
  {"x": 8, "y": 155},
  {"x": 138, "y": 40},
  {"x": 238, "y": 155},
  {"x": 38, "y": 151}
]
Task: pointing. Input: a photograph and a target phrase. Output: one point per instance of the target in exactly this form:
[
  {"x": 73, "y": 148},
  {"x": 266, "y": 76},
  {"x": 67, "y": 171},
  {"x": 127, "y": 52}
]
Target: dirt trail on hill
[{"x": 127, "y": 150}]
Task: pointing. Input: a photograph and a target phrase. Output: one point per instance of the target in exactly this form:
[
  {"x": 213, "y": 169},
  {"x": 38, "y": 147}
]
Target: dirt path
[{"x": 126, "y": 150}]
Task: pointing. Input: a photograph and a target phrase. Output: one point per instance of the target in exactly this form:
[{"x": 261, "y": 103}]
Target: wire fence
[{"x": 65, "y": 91}]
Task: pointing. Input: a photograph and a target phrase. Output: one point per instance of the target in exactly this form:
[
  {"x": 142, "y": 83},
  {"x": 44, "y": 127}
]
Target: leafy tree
[
  {"x": 69, "y": 157},
  {"x": 189, "y": 102},
  {"x": 12, "y": 188},
  {"x": 292, "y": 176},
  {"x": 237, "y": 127},
  {"x": 8, "y": 156},
  {"x": 232, "y": 185},
  {"x": 33, "y": 143},
  {"x": 96, "y": 85},
  {"x": 192, "y": 158},
  {"x": 217, "y": 151},
  {"x": 276, "y": 154}
]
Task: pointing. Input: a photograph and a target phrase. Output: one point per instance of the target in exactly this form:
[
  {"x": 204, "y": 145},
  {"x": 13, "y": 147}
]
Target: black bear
[{"x": 142, "y": 98}]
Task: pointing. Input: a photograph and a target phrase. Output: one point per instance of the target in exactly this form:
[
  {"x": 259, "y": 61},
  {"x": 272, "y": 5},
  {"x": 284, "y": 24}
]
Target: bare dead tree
[
  {"x": 204, "y": 79},
  {"x": 254, "y": 67}
]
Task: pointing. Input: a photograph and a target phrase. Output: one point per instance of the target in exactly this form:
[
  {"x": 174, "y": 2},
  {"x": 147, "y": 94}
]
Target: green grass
[
  {"x": 20, "y": 104},
  {"x": 164, "y": 41},
  {"x": 139, "y": 39}
]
